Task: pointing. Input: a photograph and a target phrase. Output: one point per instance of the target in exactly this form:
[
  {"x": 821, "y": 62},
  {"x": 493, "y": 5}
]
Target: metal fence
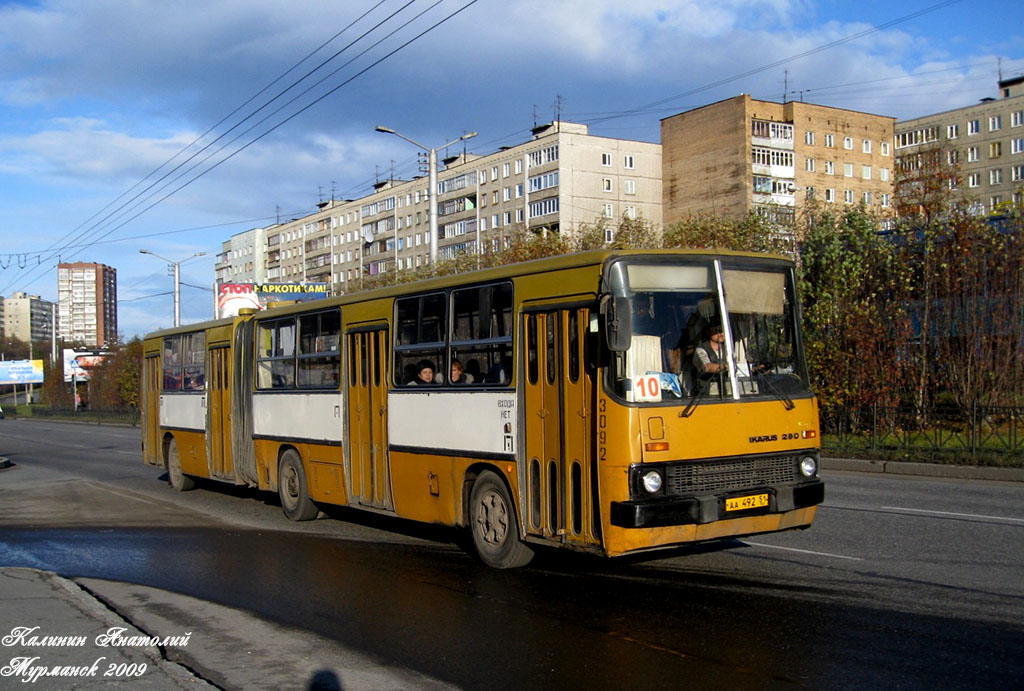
[
  {"x": 978, "y": 430},
  {"x": 127, "y": 416}
]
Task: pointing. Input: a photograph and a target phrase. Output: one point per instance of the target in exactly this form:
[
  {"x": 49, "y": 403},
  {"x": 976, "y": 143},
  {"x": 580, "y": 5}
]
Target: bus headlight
[
  {"x": 651, "y": 481},
  {"x": 808, "y": 466}
]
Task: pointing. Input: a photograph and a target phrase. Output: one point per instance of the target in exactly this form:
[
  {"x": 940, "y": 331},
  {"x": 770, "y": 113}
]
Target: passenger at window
[
  {"x": 458, "y": 375},
  {"x": 424, "y": 374}
]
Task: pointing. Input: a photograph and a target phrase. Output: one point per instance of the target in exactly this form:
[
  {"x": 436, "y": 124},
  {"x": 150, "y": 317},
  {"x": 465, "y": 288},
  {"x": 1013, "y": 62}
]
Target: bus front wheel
[
  {"x": 291, "y": 487},
  {"x": 178, "y": 480},
  {"x": 492, "y": 522}
]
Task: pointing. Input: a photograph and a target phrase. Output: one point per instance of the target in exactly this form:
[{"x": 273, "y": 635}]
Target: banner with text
[
  {"x": 231, "y": 297},
  {"x": 21, "y": 372}
]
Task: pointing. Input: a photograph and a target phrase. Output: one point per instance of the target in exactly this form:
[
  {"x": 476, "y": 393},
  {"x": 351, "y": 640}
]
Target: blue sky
[{"x": 97, "y": 94}]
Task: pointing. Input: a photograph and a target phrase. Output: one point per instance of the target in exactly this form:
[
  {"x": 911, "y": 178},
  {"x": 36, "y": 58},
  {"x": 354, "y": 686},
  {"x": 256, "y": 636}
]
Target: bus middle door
[
  {"x": 561, "y": 483},
  {"x": 369, "y": 469}
]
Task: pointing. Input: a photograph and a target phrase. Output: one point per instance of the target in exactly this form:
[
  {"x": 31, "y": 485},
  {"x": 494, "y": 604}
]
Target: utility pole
[
  {"x": 175, "y": 270},
  {"x": 432, "y": 181}
]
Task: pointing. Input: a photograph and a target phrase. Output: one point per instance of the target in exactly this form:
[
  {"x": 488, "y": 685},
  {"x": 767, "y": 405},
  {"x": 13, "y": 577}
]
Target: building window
[
  {"x": 830, "y": 193},
  {"x": 865, "y": 172},
  {"x": 627, "y": 162},
  {"x": 606, "y": 184},
  {"x": 994, "y": 201},
  {"x": 762, "y": 184},
  {"x": 519, "y": 166},
  {"x": 866, "y": 146},
  {"x": 848, "y": 170},
  {"x": 830, "y": 140},
  {"x": 952, "y": 131},
  {"x": 974, "y": 180},
  {"x": 883, "y": 174},
  {"x": 809, "y": 165},
  {"x": 505, "y": 170},
  {"x": 973, "y": 127},
  {"x": 995, "y": 176},
  {"x": 1017, "y": 145},
  {"x": 953, "y": 157},
  {"x": 995, "y": 123},
  {"x": 830, "y": 168},
  {"x": 867, "y": 198},
  {"x": 506, "y": 193},
  {"x": 519, "y": 190},
  {"x": 884, "y": 200},
  {"x": 995, "y": 149},
  {"x": 1017, "y": 173},
  {"x": 848, "y": 196},
  {"x": 606, "y": 160},
  {"x": 630, "y": 212},
  {"x": 608, "y": 211},
  {"x": 809, "y": 138},
  {"x": 629, "y": 186},
  {"x": 519, "y": 215},
  {"x": 809, "y": 192},
  {"x": 972, "y": 154},
  {"x": 885, "y": 148},
  {"x": 848, "y": 143},
  {"x": 1017, "y": 118}
]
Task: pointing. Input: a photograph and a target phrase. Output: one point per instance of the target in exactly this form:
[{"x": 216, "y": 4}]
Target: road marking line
[
  {"x": 802, "y": 551},
  {"x": 108, "y": 488},
  {"x": 950, "y": 513}
]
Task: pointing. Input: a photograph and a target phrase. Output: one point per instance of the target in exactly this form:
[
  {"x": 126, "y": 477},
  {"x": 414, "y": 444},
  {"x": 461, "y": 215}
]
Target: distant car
[{"x": 1, "y": 412}]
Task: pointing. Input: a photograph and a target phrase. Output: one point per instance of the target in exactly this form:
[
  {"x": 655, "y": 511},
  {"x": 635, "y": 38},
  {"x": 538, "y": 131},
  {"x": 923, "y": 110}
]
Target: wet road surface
[{"x": 845, "y": 605}]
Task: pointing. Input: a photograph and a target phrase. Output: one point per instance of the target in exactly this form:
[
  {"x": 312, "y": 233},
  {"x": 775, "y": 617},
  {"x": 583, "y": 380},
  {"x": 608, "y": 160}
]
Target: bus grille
[{"x": 727, "y": 475}]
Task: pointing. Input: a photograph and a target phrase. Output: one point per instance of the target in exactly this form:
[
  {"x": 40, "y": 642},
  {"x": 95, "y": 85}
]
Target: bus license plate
[{"x": 754, "y": 501}]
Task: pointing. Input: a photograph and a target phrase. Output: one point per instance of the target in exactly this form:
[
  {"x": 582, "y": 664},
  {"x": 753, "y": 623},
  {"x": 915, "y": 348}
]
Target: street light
[
  {"x": 432, "y": 191},
  {"x": 177, "y": 289}
]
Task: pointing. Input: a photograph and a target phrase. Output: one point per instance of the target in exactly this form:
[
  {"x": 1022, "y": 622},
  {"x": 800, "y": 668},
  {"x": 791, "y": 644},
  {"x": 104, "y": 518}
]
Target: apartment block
[
  {"x": 740, "y": 155},
  {"x": 978, "y": 149},
  {"x": 242, "y": 258},
  {"x": 561, "y": 178},
  {"x": 28, "y": 318},
  {"x": 87, "y": 299}
]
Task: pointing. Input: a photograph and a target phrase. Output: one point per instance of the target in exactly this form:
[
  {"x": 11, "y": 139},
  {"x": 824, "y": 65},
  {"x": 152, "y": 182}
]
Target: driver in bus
[{"x": 709, "y": 357}]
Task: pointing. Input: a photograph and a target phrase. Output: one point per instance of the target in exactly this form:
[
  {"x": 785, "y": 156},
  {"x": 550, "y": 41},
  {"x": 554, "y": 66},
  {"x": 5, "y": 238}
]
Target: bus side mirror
[{"x": 618, "y": 322}]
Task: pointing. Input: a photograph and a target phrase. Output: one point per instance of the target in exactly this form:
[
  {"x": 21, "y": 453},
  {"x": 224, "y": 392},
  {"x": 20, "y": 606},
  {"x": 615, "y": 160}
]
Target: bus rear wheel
[
  {"x": 291, "y": 487},
  {"x": 178, "y": 480},
  {"x": 492, "y": 522}
]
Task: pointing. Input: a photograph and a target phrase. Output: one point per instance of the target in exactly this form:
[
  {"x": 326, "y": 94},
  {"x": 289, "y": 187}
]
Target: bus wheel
[
  {"x": 492, "y": 521},
  {"x": 178, "y": 480},
  {"x": 291, "y": 486}
]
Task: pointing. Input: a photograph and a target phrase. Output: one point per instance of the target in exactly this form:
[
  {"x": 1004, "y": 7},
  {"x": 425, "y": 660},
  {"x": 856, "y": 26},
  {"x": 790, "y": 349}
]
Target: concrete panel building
[
  {"x": 561, "y": 178},
  {"x": 87, "y": 299},
  {"x": 28, "y": 318},
  {"x": 242, "y": 258},
  {"x": 977, "y": 149},
  {"x": 740, "y": 155}
]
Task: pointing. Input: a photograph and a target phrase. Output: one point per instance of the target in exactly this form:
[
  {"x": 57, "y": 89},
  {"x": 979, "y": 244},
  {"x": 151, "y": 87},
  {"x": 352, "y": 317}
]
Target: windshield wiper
[
  {"x": 787, "y": 402},
  {"x": 702, "y": 388}
]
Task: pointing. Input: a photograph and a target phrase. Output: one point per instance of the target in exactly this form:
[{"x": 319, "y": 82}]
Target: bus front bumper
[{"x": 667, "y": 511}]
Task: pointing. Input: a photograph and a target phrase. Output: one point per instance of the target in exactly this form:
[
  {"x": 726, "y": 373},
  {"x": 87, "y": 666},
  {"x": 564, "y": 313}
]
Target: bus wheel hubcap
[{"x": 492, "y": 518}]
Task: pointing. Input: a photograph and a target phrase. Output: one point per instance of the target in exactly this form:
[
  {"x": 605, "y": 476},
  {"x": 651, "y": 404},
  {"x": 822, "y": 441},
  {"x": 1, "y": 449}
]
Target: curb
[{"x": 959, "y": 472}]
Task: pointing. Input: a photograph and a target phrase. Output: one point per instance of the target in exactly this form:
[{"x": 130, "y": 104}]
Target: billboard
[
  {"x": 232, "y": 297},
  {"x": 77, "y": 363},
  {"x": 21, "y": 372}
]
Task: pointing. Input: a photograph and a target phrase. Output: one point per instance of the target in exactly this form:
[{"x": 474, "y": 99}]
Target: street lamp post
[
  {"x": 177, "y": 285},
  {"x": 432, "y": 172}
]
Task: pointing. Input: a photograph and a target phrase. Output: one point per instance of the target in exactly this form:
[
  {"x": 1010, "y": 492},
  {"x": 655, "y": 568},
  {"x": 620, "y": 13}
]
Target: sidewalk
[
  {"x": 958, "y": 472},
  {"x": 50, "y": 625},
  {"x": 90, "y": 627}
]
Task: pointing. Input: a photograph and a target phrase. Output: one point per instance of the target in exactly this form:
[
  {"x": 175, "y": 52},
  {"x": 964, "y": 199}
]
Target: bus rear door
[{"x": 218, "y": 389}]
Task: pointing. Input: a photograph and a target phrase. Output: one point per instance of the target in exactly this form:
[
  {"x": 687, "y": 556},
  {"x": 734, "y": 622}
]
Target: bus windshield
[{"x": 682, "y": 350}]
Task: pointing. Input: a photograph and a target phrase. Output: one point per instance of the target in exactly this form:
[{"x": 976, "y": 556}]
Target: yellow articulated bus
[{"x": 607, "y": 401}]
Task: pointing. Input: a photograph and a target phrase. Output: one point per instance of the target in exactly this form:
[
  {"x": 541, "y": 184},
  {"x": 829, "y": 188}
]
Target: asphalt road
[{"x": 901, "y": 583}]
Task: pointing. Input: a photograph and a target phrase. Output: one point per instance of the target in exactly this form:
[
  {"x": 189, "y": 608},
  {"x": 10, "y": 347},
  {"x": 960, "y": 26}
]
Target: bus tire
[
  {"x": 492, "y": 522},
  {"x": 178, "y": 480},
  {"x": 292, "y": 488}
]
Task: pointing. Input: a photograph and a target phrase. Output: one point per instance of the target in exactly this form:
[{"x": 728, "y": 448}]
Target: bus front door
[
  {"x": 369, "y": 470},
  {"x": 153, "y": 452},
  {"x": 218, "y": 391},
  {"x": 561, "y": 477}
]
